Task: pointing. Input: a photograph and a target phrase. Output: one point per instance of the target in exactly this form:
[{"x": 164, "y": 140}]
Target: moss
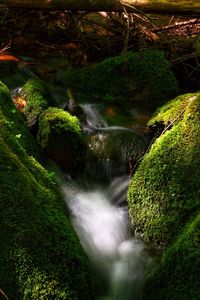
[
  {"x": 61, "y": 137},
  {"x": 120, "y": 146},
  {"x": 172, "y": 110},
  {"x": 15, "y": 123},
  {"x": 143, "y": 76},
  {"x": 38, "y": 99},
  {"x": 56, "y": 121},
  {"x": 163, "y": 195},
  {"x": 41, "y": 257},
  {"x": 178, "y": 275}
]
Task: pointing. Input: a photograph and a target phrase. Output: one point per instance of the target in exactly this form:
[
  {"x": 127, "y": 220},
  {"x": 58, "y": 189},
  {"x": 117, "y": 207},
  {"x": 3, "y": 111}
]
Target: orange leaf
[{"x": 7, "y": 57}]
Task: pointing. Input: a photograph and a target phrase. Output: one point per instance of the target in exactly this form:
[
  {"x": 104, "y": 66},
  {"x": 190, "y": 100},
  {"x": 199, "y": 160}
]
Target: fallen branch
[
  {"x": 178, "y": 25},
  {"x": 2, "y": 294},
  {"x": 181, "y": 7}
]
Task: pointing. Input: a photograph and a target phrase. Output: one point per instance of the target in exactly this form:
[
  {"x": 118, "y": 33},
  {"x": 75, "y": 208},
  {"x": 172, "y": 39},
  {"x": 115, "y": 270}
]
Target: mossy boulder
[
  {"x": 178, "y": 274},
  {"x": 61, "y": 137},
  {"x": 41, "y": 257},
  {"x": 138, "y": 77},
  {"x": 164, "y": 193},
  {"x": 37, "y": 99},
  {"x": 163, "y": 200}
]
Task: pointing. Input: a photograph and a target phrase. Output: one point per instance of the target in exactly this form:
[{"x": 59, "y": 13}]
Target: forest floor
[{"x": 83, "y": 38}]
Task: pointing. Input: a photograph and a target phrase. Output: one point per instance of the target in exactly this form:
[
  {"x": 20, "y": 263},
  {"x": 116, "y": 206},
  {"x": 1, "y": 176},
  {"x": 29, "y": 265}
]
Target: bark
[{"x": 189, "y": 7}]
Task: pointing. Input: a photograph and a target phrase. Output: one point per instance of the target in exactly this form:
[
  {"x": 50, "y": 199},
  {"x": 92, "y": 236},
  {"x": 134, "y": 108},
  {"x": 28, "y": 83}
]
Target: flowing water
[
  {"x": 102, "y": 226},
  {"x": 100, "y": 217}
]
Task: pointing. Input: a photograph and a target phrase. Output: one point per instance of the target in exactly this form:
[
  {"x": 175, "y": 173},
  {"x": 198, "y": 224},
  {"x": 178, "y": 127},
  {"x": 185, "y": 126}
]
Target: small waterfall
[
  {"x": 94, "y": 118},
  {"x": 117, "y": 147},
  {"x": 103, "y": 229},
  {"x": 95, "y": 121},
  {"x": 100, "y": 217}
]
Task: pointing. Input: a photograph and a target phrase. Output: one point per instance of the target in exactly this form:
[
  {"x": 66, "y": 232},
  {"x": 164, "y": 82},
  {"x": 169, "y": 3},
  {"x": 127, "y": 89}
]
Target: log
[{"x": 188, "y": 7}]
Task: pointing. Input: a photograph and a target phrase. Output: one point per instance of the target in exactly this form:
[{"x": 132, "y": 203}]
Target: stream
[
  {"x": 120, "y": 260},
  {"x": 99, "y": 214}
]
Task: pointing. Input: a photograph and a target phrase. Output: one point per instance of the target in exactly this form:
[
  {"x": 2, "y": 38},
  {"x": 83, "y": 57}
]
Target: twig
[
  {"x": 178, "y": 25},
  {"x": 6, "y": 47},
  {"x": 3, "y": 294},
  {"x": 135, "y": 9},
  {"x": 185, "y": 57},
  {"x": 44, "y": 45},
  {"x": 174, "y": 121},
  {"x": 127, "y": 29}
]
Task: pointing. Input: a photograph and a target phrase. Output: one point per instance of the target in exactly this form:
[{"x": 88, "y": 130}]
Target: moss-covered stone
[
  {"x": 172, "y": 111},
  {"x": 41, "y": 257},
  {"x": 164, "y": 192},
  {"x": 164, "y": 201},
  {"x": 37, "y": 100},
  {"x": 137, "y": 77},
  {"x": 61, "y": 137},
  {"x": 178, "y": 275}
]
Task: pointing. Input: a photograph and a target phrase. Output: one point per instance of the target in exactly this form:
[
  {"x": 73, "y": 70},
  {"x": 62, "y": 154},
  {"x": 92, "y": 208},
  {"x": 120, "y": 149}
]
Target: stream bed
[{"x": 120, "y": 260}]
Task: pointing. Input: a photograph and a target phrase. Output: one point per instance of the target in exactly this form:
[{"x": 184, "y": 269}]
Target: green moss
[
  {"x": 38, "y": 99},
  {"x": 41, "y": 257},
  {"x": 55, "y": 121},
  {"x": 15, "y": 123},
  {"x": 62, "y": 139},
  {"x": 178, "y": 275},
  {"x": 172, "y": 111},
  {"x": 163, "y": 193},
  {"x": 143, "y": 76}
]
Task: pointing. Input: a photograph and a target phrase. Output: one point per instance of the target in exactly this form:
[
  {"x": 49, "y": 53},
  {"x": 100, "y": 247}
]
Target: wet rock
[{"x": 61, "y": 137}]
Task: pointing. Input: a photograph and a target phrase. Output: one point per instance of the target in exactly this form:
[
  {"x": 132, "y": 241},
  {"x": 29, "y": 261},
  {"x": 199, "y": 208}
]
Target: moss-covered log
[
  {"x": 161, "y": 6},
  {"x": 41, "y": 257}
]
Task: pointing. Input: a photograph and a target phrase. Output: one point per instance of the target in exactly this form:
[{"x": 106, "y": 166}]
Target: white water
[
  {"x": 100, "y": 218},
  {"x": 104, "y": 233},
  {"x": 95, "y": 122}
]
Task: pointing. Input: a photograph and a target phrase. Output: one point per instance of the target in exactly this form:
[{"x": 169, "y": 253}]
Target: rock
[
  {"x": 62, "y": 139},
  {"x": 119, "y": 146},
  {"x": 161, "y": 195},
  {"x": 163, "y": 200},
  {"x": 133, "y": 77},
  {"x": 178, "y": 274},
  {"x": 41, "y": 257},
  {"x": 37, "y": 99}
]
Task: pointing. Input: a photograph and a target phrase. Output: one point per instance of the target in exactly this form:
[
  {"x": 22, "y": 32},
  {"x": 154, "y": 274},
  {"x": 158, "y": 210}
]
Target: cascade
[{"x": 100, "y": 217}]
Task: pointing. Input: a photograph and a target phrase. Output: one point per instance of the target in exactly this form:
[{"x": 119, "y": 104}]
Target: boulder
[
  {"x": 162, "y": 195},
  {"x": 41, "y": 257},
  {"x": 163, "y": 200},
  {"x": 140, "y": 78},
  {"x": 61, "y": 138},
  {"x": 36, "y": 99}
]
